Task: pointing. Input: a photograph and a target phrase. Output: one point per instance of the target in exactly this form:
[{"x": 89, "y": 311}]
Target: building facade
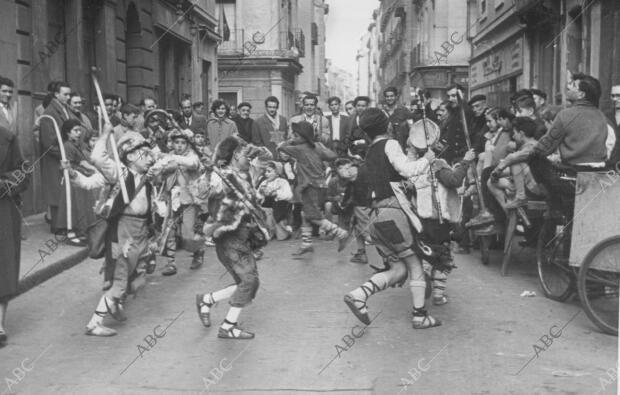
[
  {"x": 280, "y": 51},
  {"x": 536, "y": 43},
  {"x": 340, "y": 83},
  {"x": 160, "y": 48}
]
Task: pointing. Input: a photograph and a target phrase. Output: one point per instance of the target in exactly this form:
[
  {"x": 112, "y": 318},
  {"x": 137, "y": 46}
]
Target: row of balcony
[{"x": 290, "y": 44}]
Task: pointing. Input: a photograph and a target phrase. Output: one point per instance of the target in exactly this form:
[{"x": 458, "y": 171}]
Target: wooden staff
[
  {"x": 99, "y": 120},
  {"x": 483, "y": 207},
  {"x": 63, "y": 157},
  {"x": 113, "y": 142}
]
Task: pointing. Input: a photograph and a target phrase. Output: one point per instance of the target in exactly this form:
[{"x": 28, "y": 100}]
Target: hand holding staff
[{"x": 113, "y": 142}]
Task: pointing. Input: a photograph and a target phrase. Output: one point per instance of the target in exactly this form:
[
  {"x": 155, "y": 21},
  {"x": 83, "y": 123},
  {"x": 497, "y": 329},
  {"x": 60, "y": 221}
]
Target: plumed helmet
[
  {"x": 130, "y": 142},
  {"x": 181, "y": 133}
]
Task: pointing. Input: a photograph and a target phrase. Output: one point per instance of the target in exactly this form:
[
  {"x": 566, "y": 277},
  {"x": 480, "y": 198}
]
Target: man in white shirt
[{"x": 338, "y": 122}]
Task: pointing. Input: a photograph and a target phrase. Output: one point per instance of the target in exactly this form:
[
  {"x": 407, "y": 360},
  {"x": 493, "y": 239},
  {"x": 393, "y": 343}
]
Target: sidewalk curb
[{"x": 50, "y": 271}]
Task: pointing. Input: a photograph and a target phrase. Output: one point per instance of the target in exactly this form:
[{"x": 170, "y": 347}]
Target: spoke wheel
[
  {"x": 555, "y": 275},
  {"x": 598, "y": 284}
]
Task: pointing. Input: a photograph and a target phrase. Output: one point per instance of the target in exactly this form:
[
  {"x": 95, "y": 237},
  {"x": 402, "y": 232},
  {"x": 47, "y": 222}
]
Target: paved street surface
[{"x": 299, "y": 318}]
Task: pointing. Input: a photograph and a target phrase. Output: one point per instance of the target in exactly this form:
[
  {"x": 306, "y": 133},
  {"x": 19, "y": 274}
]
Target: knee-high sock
[
  {"x": 217, "y": 296},
  {"x": 439, "y": 283},
  {"x": 377, "y": 283},
  {"x": 223, "y": 294},
  {"x": 306, "y": 236},
  {"x": 418, "y": 288},
  {"x": 232, "y": 317},
  {"x": 100, "y": 312}
]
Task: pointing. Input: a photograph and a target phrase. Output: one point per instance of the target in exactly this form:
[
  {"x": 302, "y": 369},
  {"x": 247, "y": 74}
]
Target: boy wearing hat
[
  {"x": 127, "y": 235},
  {"x": 393, "y": 227},
  {"x": 312, "y": 184},
  {"x": 434, "y": 203},
  {"x": 182, "y": 168}
]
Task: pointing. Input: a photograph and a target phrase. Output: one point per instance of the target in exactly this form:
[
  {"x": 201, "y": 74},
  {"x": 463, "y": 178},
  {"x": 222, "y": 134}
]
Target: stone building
[
  {"x": 160, "y": 48},
  {"x": 275, "y": 47},
  {"x": 340, "y": 83},
  {"x": 535, "y": 43}
]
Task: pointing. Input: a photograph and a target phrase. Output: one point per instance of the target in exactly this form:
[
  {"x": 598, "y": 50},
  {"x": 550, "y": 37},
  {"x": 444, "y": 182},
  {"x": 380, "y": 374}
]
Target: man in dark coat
[
  {"x": 243, "y": 121},
  {"x": 50, "y": 153},
  {"x": 339, "y": 126},
  {"x": 13, "y": 180},
  {"x": 270, "y": 129},
  {"x": 192, "y": 120}
]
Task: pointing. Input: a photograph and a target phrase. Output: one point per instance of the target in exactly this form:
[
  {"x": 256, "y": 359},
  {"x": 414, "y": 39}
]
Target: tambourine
[{"x": 424, "y": 133}]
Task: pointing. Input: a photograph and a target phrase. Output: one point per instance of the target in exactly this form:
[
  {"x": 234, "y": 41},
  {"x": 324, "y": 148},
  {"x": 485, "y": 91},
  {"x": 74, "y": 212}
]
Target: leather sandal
[
  {"x": 350, "y": 301},
  {"x": 170, "y": 270},
  {"x": 205, "y": 318},
  {"x": 116, "y": 311},
  {"x": 99, "y": 330},
  {"x": 427, "y": 321},
  {"x": 302, "y": 251},
  {"x": 230, "y": 333}
]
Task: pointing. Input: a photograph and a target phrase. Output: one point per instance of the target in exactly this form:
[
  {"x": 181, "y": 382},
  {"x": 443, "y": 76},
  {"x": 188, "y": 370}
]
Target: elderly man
[
  {"x": 270, "y": 129},
  {"x": 311, "y": 114},
  {"x": 243, "y": 121},
  {"x": 127, "y": 235},
  {"x": 192, "y": 119},
  {"x": 8, "y": 112},
  {"x": 579, "y": 151}
]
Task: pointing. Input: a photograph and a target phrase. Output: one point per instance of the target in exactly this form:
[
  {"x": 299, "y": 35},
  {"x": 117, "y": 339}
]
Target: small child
[
  {"x": 276, "y": 195},
  {"x": 354, "y": 206}
]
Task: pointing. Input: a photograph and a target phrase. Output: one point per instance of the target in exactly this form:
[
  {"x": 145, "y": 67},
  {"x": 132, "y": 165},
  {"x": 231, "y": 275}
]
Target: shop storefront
[{"x": 498, "y": 73}]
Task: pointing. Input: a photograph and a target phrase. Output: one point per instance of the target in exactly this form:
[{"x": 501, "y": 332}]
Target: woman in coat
[{"x": 13, "y": 180}]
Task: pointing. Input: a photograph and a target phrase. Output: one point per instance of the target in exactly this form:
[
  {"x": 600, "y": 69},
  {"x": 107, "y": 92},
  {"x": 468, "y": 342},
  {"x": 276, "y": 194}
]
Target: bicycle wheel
[
  {"x": 556, "y": 277},
  {"x": 598, "y": 284}
]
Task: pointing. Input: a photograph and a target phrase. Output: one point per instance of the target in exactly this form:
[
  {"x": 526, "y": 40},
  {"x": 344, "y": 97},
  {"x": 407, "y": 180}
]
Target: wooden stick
[
  {"x": 117, "y": 159},
  {"x": 63, "y": 157},
  {"x": 100, "y": 120}
]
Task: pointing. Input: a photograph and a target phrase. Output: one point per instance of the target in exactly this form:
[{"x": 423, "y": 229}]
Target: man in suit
[
  {"x": 49, "y": 148},
  {"x": 197, "y": 123},
  {"x": 270, "y": 129},
  {"x": 8, "y": 112},
  {"x": 339, "y": 124}
]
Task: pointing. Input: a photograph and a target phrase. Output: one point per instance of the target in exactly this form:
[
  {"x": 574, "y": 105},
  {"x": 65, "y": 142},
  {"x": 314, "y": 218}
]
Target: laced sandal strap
[{"x": 370, "y": 291}]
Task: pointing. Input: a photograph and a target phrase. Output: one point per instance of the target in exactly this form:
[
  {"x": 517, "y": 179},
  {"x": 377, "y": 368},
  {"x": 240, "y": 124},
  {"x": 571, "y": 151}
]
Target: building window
[{"x": 483, "y": 7}]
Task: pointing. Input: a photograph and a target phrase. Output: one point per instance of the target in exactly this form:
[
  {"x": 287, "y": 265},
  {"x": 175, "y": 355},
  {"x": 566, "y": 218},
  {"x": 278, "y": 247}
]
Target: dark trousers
[
  {"x": 561, "y": 191},
  {"x": 492, "y": 204}
]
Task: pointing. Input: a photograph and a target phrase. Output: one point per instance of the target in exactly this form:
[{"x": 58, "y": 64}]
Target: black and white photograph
[{"x": 283, "y": 197}]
